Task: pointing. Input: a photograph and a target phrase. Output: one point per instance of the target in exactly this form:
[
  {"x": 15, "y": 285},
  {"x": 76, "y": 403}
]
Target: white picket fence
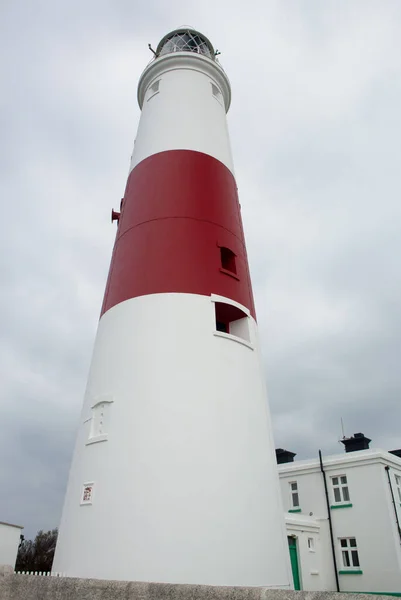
[{"x": 40, "y": 573}]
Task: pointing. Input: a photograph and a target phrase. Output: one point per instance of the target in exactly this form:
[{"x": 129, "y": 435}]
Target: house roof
[
  {"x": 11, "y": 525},
  {"x": 349, "y": 459}
]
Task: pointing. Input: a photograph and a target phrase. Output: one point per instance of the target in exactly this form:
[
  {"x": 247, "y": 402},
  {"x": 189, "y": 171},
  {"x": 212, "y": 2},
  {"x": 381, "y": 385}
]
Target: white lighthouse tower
[{"x": 174, "y": 477}]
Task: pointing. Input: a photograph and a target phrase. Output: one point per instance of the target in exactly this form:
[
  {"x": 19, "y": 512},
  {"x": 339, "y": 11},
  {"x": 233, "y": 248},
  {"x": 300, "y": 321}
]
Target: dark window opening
[
  {"x": 349, "y": 553},
  {"x": 228, "y": 260},
  {"x": 231, "y": 319},
  {"x": 221, "y": 326}
]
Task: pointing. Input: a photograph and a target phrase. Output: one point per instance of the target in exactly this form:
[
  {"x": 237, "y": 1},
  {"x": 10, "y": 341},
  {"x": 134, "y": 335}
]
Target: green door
[{"x": 292, "y": 544}]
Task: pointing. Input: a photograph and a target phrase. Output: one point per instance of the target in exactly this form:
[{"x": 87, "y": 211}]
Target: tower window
[
  {"x": 154, "y": 89},
  {"x": 217, "y": 94},
  {"x": 232, "y": 320},
  {"x": 227, "y": 257},
  {"x": 99, "y": 421},
  {"x": 215, "y": 91}
]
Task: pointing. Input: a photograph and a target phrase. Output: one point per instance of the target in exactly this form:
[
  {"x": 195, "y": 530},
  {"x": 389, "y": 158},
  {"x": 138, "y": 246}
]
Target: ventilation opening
[
  {"x": 154, "y": 87},
  {"x": 215, "y": 91},
  {"x": 228, "y": 260},
  {"x": 232, "y": 320},
  {"x": 217, "y": 94}
]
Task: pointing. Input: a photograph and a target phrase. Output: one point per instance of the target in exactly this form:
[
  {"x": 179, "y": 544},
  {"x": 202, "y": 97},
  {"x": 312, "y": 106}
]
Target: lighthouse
[{"x": 173, "y": 477}]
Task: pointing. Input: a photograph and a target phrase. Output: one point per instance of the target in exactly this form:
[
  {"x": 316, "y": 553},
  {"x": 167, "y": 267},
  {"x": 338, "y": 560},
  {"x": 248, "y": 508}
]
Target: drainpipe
[
  {"x": 333, "y": 550},
  {"x": 387, "y": 468}
]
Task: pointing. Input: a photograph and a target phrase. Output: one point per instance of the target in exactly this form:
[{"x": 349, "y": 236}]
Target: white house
[
  {"x": 9, "y": 542},
  {"x": 356, "y": 495}
]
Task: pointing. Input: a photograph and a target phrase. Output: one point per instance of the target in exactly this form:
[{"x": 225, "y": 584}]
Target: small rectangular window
[
  {"x": 228, "y": 260},
  {"x": 311, "y": 544},
  {"x": 349, "y": 553},
  {"x": 340, "y": 489},
  {"x": 294, "y": 494},
  {"x": 153, "y": 89},
  {"x": 216, "y": 93},
  {"x": 232, "y": 320},
  {"x": 215, "y": 90}
]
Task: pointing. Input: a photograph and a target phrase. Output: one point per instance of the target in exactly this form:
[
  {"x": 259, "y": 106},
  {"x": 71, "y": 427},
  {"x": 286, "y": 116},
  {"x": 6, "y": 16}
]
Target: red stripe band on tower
[{"x": 180, "y": 231}]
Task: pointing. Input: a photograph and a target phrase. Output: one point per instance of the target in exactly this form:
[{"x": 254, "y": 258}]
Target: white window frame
[
  {"x": 346, "y": 550},
  {"x": 311, "y": 544},
  {"x": 337, "y": 484},
  {"x": 397, "y": 479},
  {"x": 293, "y": 492},
  {"x": 244, "y": 323}
]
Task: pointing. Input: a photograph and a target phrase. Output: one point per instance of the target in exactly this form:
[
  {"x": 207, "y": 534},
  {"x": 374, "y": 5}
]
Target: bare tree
[{"x": 37, "y": 555}]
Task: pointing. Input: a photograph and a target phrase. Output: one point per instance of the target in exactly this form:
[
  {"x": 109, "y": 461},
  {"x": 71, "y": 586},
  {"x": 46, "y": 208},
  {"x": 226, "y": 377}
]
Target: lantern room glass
[{"x": 185, "y": 41}]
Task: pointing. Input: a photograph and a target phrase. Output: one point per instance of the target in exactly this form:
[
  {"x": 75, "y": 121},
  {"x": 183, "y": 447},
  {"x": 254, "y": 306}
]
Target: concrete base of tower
[{"x": 174, "y": 477}]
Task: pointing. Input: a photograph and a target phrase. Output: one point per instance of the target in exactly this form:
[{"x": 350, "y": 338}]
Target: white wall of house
[
  {"x": 9, "y": 542},
  {"x": 368, "y": 516},
  {"x": 316, "y": 573}
]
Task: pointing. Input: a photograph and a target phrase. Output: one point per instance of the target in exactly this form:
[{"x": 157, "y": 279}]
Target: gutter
[{"x": 333, "y": 551}]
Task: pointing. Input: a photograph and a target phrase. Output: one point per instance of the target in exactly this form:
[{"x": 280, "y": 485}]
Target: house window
[
  {"x": 349, "y": 553},
  {"x": 232, "y": 320},
  {"x": 340, "y": 489},
  {"x": 311, "y": 544},
  {"x": 398, "y": 484},
  {"x": 294, "y": 494},
  {"x": 227, "y": 257},
  {"x": 87, "y": 493}
]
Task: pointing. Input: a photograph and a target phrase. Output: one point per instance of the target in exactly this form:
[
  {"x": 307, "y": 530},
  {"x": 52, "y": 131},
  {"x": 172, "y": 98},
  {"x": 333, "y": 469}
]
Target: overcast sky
[{"x": 315, "y": 128}]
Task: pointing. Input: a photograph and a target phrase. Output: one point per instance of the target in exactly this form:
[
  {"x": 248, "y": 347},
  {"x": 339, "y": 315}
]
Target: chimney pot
[
  {"x": 284, "y": 456},
  {"x": 356, "y": 442}
]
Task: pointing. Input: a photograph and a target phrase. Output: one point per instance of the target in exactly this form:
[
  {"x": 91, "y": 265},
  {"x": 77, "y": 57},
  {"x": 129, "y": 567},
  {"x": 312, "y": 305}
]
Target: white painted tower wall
[{"x": 203, "y": 507}]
